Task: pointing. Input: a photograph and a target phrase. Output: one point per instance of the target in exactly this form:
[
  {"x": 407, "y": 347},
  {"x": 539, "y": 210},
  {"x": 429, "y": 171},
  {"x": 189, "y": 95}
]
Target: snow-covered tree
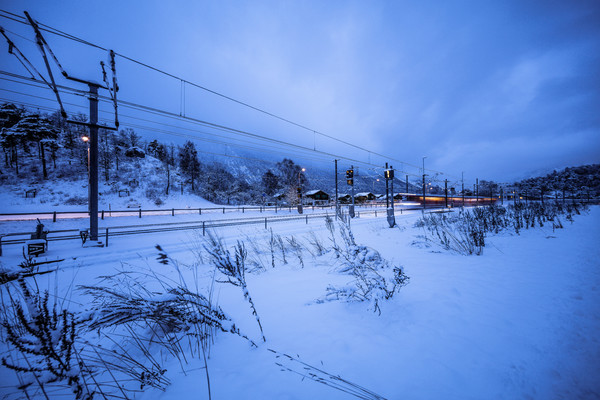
[
  {"x": 40, "y": 130},
  {"x": 188, "y": 162},
  {"x": 290, "y": 173},
  {"x": 270, "y": 182}
]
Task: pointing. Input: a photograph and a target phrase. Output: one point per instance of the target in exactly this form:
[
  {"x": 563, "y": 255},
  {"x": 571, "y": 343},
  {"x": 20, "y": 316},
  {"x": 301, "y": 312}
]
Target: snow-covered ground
[{"x": 521, "y": 321}]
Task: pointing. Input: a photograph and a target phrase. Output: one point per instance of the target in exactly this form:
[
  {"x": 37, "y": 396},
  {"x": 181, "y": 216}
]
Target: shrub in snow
[
  {"x": 76, "y": 200},
  {"x": 461, "y": 232},
  {"x": 465, "y": 231},
  {"x": 154, "y": 194},
  {"x": 233, "y": 267},
  {"x": 44, "y": 339},
  {"x": 135, "y": 152},
  {"x": 374, "y": 278},
  {"x": 296, "y": 248},
  {"x": 317, "y": 244},
  {"x": 293, "y": 364}
]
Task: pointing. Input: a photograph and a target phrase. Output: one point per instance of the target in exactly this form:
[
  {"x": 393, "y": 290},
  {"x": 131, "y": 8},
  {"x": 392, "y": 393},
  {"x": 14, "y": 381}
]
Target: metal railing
[
  {"x": 54, "y": 215},
  {"x": 203, "y": 226}
]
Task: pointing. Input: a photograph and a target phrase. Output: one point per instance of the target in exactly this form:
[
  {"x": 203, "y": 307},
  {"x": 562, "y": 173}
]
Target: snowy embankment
[{"x": 519, "y": 321}]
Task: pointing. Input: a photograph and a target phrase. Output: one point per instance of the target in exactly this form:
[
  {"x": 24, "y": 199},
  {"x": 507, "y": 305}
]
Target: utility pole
[
  {"x": 424, "y": 199},
  {"x": 463, "y": 189},
  {"x": 476, "y": 191},
  {"x": 406, "y": 184},
  {"x": 93, "y": 126},
  {"x": 446, "y": 191},
  {"x": 336, "y": 190}
]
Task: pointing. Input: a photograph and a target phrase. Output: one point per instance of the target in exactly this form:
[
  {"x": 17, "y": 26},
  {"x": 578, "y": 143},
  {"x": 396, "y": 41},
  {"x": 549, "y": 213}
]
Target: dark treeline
[{"x": 40, "y": 147}]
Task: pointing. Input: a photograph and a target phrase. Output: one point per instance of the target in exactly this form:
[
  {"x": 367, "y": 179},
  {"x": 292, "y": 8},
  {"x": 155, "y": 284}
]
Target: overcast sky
[{"x": 497, "y": 89}]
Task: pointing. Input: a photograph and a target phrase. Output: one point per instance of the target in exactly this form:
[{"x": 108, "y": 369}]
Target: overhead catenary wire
[
  {"x": 193, "y": 137},
  {"x": 55, "y": 31},
  {"x": 171, "y": 115}
]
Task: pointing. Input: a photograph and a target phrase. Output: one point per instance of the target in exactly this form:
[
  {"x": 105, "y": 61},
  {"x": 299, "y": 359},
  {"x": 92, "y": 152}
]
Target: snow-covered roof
[
  {"x": 311, "y": 192},
  {"x": 363, "y": 194}
]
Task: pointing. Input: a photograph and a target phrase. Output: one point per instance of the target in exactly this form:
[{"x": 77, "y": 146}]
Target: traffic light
[
  {"x": 299, "y": 191},
  {"x": 349, "y": 173},
  {"x": 350, "y": 182},
  {"x": 389, "y": 174}
]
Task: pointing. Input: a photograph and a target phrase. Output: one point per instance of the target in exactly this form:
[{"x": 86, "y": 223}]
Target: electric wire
[{"x": 58, "y": 32}]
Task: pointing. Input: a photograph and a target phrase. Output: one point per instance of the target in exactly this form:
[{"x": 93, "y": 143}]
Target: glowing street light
[{"x": 300, "y": 191}]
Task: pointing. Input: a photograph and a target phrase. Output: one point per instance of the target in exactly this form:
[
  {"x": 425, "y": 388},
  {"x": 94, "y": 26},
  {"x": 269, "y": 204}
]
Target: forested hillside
[{"x": 41, "y": 150}]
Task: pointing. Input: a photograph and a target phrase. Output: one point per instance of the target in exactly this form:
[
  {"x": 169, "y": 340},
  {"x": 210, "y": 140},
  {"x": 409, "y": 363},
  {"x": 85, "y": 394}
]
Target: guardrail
[
  {"x": 197, "y": 210},
  {"x": 113, "y": 231}
]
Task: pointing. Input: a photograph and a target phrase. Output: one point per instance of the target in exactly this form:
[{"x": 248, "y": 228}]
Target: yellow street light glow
[{"x": 85, "y": 138}]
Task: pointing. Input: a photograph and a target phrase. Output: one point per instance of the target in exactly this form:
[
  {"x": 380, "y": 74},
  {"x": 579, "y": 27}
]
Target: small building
[
  {"x": 363, "y": 197},
  {"x": 280, "y": 198},
  {"x": 345, "y": 198},
  {"x": 317, "y": 196}
]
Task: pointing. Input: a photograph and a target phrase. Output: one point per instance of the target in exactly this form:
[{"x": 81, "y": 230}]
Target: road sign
[{"x": 36, "y": 247}]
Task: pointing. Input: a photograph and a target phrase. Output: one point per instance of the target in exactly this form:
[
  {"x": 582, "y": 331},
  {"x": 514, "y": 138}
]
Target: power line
[{"x": 58, "y": 32}]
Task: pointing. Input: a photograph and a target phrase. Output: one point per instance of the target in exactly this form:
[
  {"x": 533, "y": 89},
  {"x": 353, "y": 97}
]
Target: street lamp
[
  {"x": 86, "y": 140},
  {"x": 374, "y": 185},
  {"x": 300, "y": 191}
]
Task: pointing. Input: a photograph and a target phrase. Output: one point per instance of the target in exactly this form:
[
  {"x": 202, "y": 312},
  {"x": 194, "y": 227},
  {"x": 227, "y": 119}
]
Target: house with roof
[
  {"x": 317, "y": 197},
  {"x": 344, "y": 198},
  {"x": 364, "y": 197}
]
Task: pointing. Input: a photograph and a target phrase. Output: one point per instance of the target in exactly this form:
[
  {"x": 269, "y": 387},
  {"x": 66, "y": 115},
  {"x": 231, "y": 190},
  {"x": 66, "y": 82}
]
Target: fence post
[
  {"x": 242, "y": 210},
  {"x": 200, "y": 211},
  {"x": 375, "y": 213},
  {"x": 203, "y": 228},
  {"x": 172, "y": 212},
  {"x": 102, "y": 214},
  {"x": 140, "y": 213},
  {"x": 223, "y": 210},
  {"x": 54, "y": 217},
  {"x": 265, "y": 222},
  {"x": 106, "y": 239},
  {"x": 307, "y": 219}
]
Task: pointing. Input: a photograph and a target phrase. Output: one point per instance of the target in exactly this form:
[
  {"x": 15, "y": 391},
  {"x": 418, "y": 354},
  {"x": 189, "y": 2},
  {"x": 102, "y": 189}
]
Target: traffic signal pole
[
  {"x": 350, "y": 181},
  {"x": 389, "y": 175}
]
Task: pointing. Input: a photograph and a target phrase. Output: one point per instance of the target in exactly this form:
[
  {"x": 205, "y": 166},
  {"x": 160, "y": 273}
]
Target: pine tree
[
  {"x": 162, "y": 153},
  {"x": 188, "y": 162}
]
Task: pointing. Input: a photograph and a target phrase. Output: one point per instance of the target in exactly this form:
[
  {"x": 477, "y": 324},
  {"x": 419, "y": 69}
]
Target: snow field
[{"x": 519, "y": 321}]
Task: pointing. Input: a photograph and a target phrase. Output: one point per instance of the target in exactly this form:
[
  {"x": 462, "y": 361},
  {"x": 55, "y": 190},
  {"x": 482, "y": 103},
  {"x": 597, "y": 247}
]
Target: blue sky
[{"x": 497, "y": 89}]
